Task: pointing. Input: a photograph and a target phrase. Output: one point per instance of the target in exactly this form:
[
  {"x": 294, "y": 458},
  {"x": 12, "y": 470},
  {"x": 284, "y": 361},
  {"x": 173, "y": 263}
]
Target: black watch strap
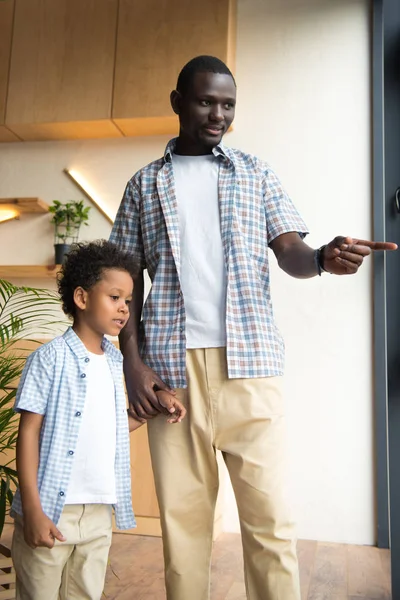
[{"x": 318, "y": 259}]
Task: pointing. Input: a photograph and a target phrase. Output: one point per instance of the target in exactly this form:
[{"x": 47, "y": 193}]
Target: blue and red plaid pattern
[{"x": 254, "y": 210}]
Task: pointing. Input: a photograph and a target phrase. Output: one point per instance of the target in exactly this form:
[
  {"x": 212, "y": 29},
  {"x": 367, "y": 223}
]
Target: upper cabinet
[
  {"x": 6, "y": 27},
  {"x": 102, "y": 68},
  {"x": 62, "y": 69},
  {"x": 155, "y": 39}
]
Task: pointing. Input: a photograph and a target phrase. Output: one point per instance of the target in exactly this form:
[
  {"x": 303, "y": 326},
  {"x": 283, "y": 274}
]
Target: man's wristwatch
[{"x": 319, "y": 260}]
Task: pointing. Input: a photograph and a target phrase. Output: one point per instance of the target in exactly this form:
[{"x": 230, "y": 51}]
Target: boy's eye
[
  {"x": 229, "y": 106},
  {"x": 205, "y": 102},
  {"x": 115, "y": 298},
  {"x": 127, "y": 302}
]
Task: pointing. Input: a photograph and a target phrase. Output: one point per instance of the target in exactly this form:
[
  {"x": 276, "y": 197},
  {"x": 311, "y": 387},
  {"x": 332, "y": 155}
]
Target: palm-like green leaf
[{"x": 26, "y": 315}]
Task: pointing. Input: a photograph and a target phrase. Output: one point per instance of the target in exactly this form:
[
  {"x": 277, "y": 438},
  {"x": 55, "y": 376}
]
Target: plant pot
[
  {"x": 7, "y": 574},
  {"x": 61, "y": 251}
]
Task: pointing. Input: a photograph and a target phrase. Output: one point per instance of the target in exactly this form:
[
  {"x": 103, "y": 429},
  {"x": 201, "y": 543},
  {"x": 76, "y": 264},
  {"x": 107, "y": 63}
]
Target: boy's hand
[
  {"x": 39, "y": 530},
  {"x": 171, "y": 405}
]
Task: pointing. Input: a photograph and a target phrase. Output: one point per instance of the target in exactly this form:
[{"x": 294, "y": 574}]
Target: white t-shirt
[
  {"x": 93, "y": 470},
  {"x": 203, "y": 274}
]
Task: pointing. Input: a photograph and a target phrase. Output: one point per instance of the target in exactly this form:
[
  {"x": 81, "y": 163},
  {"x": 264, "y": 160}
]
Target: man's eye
[
  {"x": 205, "y": 102},
  {"x": 229, "y": 106}
]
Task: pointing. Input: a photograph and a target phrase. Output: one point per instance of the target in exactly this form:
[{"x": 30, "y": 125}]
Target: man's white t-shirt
[
  {"x": 203, "y": 275},
  {"x": 93, "y": 470}
]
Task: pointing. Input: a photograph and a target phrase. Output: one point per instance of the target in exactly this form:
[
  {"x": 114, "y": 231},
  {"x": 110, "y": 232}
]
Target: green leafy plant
[
  {"x": 67, "y": 219},
  {"x": 25, "y": 314}
]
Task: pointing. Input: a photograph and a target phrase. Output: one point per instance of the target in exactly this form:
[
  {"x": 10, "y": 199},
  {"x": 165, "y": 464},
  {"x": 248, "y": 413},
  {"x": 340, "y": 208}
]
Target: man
[{"x": 200, "y": 220}]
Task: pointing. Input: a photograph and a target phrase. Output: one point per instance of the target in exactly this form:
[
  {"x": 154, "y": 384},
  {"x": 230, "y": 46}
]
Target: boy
[{"x": 73, "y": 456}]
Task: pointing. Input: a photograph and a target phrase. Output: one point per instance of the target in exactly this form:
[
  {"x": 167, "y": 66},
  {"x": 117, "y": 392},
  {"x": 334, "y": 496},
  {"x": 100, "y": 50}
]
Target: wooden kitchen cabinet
[
  {"x": 62, "y": 68},
  {"x": 102, "y": 68},
  {"x": 6, "y": 27},
  {"x": 155, "y": 39}
]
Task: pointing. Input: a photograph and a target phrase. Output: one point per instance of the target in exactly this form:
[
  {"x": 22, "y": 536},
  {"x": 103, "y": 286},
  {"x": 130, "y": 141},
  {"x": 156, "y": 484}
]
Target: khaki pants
[
  {"x": 71, "y": 570},
  {"x": 244, "y": 419}
]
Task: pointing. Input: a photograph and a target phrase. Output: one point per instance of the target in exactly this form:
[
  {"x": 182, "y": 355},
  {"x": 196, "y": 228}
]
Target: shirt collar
[
  {"x": 80, "y": 350},
  {"x": 219, "y": 150}
]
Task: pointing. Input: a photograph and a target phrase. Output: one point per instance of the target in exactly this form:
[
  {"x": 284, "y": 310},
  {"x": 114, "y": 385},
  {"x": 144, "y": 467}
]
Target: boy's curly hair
[{"x": 84, "y": 265}]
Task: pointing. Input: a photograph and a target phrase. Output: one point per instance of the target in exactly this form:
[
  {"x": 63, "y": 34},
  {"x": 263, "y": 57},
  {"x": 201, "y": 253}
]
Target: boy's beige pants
[
  {"x": 244, "y": 418},
  {"x": 71, "y": 570}
]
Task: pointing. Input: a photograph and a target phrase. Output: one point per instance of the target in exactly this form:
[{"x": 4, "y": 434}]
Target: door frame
[
  {"x": 386, "y": 172},
  {"x": 379, "y": 278}
]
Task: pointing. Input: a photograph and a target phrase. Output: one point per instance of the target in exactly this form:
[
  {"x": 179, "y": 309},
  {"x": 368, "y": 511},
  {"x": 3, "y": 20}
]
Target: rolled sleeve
[
  {"x": 36, "y": 382},
  {"x": 126, "y": 232},
  {"x": 281, "y": 214}
]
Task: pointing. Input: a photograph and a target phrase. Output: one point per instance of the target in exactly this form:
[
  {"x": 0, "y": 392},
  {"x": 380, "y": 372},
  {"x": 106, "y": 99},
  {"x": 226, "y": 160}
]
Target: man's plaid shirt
[{"x": 254, "y": 210}]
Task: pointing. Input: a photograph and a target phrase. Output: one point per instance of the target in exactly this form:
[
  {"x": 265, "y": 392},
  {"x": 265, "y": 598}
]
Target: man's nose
[{"x": 216, "y": 113}]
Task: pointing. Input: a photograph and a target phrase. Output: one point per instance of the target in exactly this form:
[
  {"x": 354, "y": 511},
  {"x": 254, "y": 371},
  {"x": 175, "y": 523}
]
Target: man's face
[{"x": 207, "y": 109}]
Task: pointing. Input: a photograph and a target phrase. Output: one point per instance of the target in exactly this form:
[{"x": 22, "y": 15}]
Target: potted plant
[
  {"x": 67, "y": 219},
  {"x": 25, "y": 313}
]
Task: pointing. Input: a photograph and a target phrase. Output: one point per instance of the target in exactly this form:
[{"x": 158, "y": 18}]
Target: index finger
[{"x": 376, "y": 245}]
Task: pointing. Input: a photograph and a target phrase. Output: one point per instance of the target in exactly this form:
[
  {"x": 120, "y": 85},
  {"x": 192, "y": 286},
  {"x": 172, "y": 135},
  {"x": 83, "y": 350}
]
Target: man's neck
[{"x": 186, "y": 147}]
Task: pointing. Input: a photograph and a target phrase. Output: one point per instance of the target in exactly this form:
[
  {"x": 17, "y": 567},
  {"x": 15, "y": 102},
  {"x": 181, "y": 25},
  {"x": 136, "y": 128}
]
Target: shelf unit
[
  {"x": 25, "y": 205},
  {"x": 10, "y": 272}
]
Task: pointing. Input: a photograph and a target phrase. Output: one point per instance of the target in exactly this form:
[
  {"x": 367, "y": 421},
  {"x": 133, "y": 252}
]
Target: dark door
[{"x": 386, "y": 116}]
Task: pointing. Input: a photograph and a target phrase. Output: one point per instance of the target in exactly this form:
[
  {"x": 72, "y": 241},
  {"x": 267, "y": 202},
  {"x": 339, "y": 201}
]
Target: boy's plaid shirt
[
  {"x": 254, "y": 210},
  {"x": 53, "y": 384}
]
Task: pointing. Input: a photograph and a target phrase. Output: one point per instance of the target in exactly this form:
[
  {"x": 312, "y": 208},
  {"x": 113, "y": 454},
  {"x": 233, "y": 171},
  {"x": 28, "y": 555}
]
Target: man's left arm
[{"x": 342, "y": 256}]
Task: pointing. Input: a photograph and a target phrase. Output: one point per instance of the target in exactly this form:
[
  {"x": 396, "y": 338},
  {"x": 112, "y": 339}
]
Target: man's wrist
[{"x": 319, "y": 260}]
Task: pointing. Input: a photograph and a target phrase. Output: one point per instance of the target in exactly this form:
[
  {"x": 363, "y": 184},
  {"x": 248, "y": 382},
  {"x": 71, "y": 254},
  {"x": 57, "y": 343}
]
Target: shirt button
[
  {"x": 78, "y": 414},
  {"x": 61, "y": 493},
  {"x": 83, "y": 375},
  {"x": 70, "y": 452},
  {"x": 87, "y": 359}
]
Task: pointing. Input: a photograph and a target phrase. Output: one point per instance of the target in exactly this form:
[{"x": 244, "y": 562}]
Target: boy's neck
[{"x": 92, "y": 340}]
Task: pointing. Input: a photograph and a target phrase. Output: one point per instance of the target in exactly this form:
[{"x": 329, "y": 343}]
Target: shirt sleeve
[
  {"x": 281, "y": 214},
  {"x": 126, "y": 232},
  {"x": 36, "y": 382}
]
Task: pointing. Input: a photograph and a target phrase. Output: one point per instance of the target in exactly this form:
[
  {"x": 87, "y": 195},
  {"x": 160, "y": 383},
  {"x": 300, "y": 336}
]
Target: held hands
[
  {"x": 168, "y": 404},
  {"x": 344, "y": 255},
  {"x": 143, "y": 401},
  {"x": 39, "y": 530}
]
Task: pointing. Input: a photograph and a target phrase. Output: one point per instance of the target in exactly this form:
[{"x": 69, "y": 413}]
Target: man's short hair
[
  {"x": 84, "y": 266},
  {"x": 200, "y": 64}
]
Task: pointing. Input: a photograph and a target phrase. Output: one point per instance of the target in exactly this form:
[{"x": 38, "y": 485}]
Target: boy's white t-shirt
[
  {"x": 203, "y": 275},
  {"x": 93, "y": 471}
]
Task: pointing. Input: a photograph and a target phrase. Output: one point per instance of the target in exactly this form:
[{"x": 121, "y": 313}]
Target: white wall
[{"x": 304, "y": 105}]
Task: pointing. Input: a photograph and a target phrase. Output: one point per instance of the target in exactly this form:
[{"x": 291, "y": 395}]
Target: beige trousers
[
  {"x": 71, "y": 570},
  {"x": 244, "y": 419}
]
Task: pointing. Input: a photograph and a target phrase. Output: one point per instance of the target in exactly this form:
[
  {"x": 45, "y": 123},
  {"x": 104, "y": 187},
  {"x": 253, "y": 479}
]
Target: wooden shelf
[
  {"x": 11, "y": 272},
  {"x": 25, "y": 205}
]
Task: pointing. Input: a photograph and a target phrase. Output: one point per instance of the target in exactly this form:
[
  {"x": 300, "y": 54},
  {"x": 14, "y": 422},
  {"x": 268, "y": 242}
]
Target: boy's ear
[{"x": 80, "y": 297}]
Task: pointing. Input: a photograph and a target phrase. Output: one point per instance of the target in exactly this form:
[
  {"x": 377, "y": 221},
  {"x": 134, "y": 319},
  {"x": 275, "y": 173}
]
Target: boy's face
[{"x": 105, "y": 307}]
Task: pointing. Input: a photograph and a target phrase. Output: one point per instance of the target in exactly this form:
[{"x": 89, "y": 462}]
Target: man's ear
[
  {"x": 80, "y": 297},
  {"x": 175, "y": 99}
]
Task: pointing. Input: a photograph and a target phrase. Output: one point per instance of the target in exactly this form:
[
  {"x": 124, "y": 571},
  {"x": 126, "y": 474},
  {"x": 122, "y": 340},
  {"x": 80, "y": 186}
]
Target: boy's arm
[{"x": 39, "y": 530}]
